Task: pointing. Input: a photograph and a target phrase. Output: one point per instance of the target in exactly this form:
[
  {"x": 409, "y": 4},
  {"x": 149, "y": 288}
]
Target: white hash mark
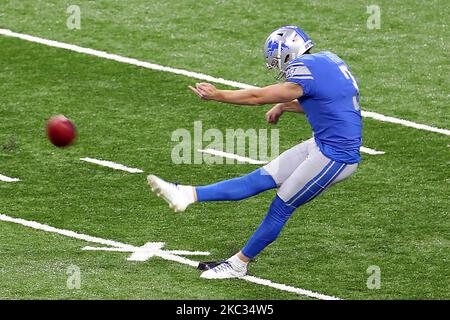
[{"x": 154, "y": 249}]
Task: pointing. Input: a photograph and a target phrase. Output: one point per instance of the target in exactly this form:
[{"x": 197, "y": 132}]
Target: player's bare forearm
[
  {"x": 292, "y": 106},
  {"x": 277, "y": 93},
  {"x": 250, "y": 97},
  {"x": 274, "y": 114}
]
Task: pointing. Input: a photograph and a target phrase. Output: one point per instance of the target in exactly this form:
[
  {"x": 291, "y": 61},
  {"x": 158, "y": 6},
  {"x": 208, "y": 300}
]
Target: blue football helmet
[{"x": 284, "y": 45}]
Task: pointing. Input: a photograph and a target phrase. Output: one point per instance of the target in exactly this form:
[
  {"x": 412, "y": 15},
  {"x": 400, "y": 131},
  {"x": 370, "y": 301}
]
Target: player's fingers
[
  {"x": 273, "y": 118},
  {"x": 206, "y": 86},
  {"x": 195, "y": 91},
  {"x": 202, "y": 93},
  {"x": 203, "y": 84},
  {"x": 200, "y": 85}
]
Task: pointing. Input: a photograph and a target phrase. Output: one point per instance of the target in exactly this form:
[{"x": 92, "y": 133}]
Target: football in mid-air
[{"x": 61, "y": 131}]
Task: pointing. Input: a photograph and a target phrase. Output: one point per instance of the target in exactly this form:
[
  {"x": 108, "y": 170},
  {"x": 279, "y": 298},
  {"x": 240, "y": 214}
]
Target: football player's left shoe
[
  {"x": 225, "y": 270},
  {"x": 208, "y": 265}
]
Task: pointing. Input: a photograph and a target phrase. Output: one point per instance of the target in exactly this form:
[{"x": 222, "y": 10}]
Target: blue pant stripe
[
  {"x": 335, "y": 176},
  {"x": 320, "y": 185},
  {"x": 308, "y": 185},
  {"x": 323, "y": 188}
]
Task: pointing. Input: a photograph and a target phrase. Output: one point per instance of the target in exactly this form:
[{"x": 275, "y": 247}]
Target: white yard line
[
  {"x": 118, "y": 58},
  {"x": 371, "y": 151},
  {"x": 67, "y": 233},
  {"x": 151, "y": 249},
  {"x": 118, "y": 166},
  {"x": 223, "y": 154},
  {"x": 403, "y": 122},
  {"x": 284, "y": 287},
  {"x": 231, "y": 156},
  {"x": 196, "y": 75},
  {"x": 177, "y": 252},
  {"x": 112, "y": 165},
  {"x": 8, "y": 179},
  {"x": 253, "y": 161}
]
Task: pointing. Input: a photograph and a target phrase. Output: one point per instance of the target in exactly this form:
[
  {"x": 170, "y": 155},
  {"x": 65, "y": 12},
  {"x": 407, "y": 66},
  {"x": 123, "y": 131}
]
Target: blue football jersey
[{"x": 331, "y": 104}]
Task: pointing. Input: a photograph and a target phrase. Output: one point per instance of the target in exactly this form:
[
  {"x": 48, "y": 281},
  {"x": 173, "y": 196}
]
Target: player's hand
[
  {"x": 274, "y": 114},
  {"x": 204, "y": 90}
]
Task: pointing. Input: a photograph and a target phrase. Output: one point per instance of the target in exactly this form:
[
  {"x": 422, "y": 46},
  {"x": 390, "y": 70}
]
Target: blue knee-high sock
[
  {"x": 270, "y": 228},
  {"x": 237, "y": 188}
]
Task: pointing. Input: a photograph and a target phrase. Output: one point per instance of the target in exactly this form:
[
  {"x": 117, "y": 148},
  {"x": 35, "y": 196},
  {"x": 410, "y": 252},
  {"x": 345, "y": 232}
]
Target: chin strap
[
  {"x": 280, "y": 75},
  {"x": 279, "y": 55}
]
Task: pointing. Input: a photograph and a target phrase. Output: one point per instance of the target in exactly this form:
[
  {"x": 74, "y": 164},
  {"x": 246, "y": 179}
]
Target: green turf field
[{"x": 393, "y": 213}]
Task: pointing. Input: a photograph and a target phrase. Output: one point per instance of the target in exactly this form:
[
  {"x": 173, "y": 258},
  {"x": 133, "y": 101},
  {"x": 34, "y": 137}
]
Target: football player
[{"x": 317, "y": 84}]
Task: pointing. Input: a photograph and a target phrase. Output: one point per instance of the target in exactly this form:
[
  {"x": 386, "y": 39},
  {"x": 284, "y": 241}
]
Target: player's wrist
[
  {"x": 281, "y": 107},
  {"x": 219, "y": 95}
]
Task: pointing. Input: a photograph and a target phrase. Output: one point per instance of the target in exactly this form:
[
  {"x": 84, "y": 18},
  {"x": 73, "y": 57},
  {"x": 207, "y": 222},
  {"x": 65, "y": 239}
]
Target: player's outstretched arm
[{"x": 277, "y": 93}]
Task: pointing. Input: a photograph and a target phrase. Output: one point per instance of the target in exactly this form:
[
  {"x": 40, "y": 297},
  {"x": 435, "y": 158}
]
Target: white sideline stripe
[
  {"x": 112, "y": 165},
  {"x": 118, "y": 58},
  {"x": 196, "y": 75},
  {"x": 406, "y": 123},
  {"x": 8, "y": 179},
  {"x": 371, "y": 151},
  {"x": 180, "y": 252},
  {"x": 67, "y": 233},
  {"x": 231, "y": 156},
  {"x": 284, "y": 287},
  {"x": 167, "y": 255}
]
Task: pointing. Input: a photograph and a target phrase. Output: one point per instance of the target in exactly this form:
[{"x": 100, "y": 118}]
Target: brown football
[{"x": 61, "y": 131}]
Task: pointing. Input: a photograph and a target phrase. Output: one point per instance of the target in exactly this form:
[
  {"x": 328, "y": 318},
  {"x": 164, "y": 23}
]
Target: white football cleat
[
  {"x": 225, "y": 270},
  {"x": 178, "y": 197}
]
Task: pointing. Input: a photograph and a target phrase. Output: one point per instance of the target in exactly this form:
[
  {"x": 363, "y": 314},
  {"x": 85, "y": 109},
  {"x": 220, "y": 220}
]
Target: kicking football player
[{"x": 317, "y": 84}]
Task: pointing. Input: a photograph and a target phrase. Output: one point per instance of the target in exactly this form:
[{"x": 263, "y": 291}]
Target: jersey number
[{"x": 348, "y": 75}]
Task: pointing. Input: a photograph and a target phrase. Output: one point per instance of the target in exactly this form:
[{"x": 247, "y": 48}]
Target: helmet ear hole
[{"x": 287, "y": 58}]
